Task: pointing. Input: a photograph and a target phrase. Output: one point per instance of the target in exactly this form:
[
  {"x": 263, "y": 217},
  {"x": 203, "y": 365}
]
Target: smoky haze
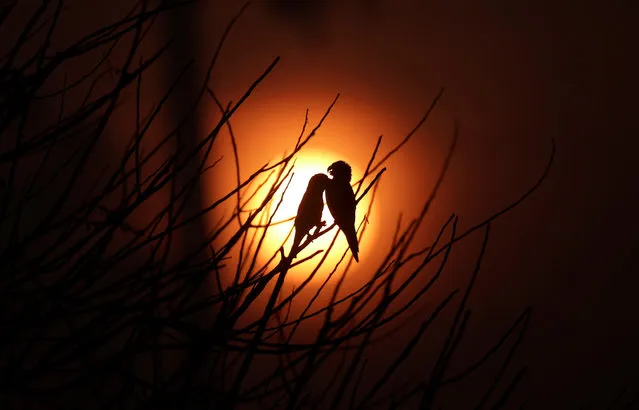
[{"x": 516, "y": 75}]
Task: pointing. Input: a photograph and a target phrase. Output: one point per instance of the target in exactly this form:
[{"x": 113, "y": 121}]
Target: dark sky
[{"x": 517, "y": 74}]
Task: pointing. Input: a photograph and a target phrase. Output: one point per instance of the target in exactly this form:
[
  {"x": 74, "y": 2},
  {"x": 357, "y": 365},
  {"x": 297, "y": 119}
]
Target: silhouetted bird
[
  {"x": 309, "y": 213},
  {"x": 341, "y": 202}
]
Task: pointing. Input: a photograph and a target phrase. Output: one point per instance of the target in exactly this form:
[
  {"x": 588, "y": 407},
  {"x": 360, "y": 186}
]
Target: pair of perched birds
[{"x": 340, "y": 199}]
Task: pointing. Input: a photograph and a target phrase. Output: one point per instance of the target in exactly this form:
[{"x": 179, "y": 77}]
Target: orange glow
[
  {"x": 267, "y": 126},
  {"x": 281, "y": 233}
]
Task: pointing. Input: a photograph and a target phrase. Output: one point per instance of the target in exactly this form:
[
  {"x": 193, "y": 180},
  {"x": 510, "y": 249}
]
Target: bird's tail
[
  {"x": 351, "y": 237},
  {"x": 297, "y": 240}
]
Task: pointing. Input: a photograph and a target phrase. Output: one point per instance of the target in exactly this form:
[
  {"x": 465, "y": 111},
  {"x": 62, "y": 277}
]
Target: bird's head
[
  {"x": 340, "y": 170},
  {"x": 318, "y": 182}
]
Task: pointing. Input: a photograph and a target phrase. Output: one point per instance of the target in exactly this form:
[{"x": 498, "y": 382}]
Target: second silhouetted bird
[{"x": 340, "y": 199}]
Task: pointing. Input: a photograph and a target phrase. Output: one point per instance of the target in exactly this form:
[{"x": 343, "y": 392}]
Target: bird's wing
[
  {"x": 340, "y": 199},
  {"x": 309, "y": 212}
]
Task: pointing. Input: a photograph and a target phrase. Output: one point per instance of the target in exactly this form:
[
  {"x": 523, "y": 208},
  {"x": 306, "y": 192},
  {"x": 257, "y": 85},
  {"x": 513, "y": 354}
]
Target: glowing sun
[{"x": 280, "y": 232}]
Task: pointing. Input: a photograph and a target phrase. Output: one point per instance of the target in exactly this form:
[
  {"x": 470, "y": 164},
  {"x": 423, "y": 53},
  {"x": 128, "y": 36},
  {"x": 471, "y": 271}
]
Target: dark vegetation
[{"x": 102, "y": 308}]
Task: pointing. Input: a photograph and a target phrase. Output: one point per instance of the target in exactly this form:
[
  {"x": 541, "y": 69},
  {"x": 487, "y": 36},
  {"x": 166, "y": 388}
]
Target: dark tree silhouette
[{"x": 98, "y": 310}]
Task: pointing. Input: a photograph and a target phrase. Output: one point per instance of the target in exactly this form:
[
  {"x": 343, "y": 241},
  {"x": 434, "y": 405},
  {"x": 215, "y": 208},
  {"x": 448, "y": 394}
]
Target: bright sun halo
[{"x": 306, "y": 166}]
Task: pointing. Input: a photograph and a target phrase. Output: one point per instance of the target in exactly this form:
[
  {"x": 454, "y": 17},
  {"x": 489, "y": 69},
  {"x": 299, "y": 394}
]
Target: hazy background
[{"x": 517, "y": 74}]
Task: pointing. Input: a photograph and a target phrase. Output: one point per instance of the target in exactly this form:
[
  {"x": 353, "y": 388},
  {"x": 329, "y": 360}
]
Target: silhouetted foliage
[{"x": 101, "y": 312}]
